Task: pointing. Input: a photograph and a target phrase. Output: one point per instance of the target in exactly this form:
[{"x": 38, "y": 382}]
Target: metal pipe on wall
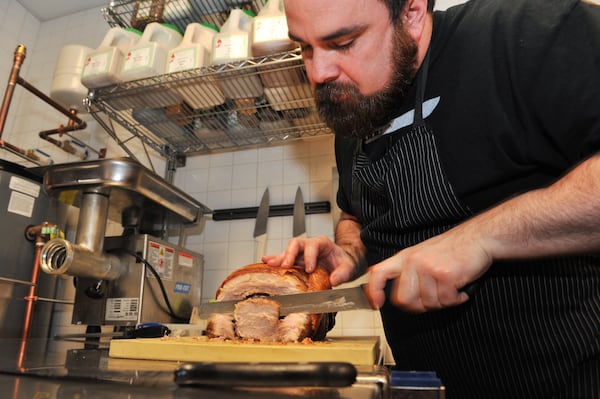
[
  {"x": 31, "y": 298},
  {"x": 75, "y": 123},
  {"x": 19, "y": 57}
]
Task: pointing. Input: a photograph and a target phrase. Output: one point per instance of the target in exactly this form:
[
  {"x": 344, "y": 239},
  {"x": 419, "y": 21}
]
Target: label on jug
[
  {"x": 234, "y": 47},
  {"x": 182, "y": 60},
  {"x": 138, "y": 58},
  {"x": 270, "y": 28},
  {"x": 97, "y": 64}
]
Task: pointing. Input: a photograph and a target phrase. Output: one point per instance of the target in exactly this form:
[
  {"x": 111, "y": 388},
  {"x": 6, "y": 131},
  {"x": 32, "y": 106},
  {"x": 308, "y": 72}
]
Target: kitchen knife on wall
[
  {"x": 260, "y": 226},
  {"x": 326, "y": 301},
  {"x": 299, "y": 221}
]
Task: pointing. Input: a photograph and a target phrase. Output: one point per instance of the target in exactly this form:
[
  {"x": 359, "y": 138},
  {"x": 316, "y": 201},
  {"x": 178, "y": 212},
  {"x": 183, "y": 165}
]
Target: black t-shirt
[{"x": 519, "y": 96}]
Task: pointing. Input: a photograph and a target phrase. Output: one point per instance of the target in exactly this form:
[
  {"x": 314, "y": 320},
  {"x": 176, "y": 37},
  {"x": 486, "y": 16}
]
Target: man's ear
[{"x": 414, "y": 17}]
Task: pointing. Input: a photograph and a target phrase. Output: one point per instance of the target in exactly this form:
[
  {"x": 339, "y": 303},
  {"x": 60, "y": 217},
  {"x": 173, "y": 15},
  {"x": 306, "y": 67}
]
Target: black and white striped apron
[{"x": 532, "y": 330}]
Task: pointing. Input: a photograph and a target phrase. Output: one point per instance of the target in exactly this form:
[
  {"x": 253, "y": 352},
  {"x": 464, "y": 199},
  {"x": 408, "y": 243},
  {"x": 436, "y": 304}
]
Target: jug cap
[
  {"x": 134, "y": 30},
  {"x": 210, "y": 26},
  {"x": 174, "y": 27},
  {"x": 249, "y": 13}
]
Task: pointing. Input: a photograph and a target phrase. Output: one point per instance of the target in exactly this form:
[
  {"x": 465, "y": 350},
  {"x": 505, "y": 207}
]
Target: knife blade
[
  {"x": 326, "y": 301},
  {"x": 299, "y": 221},
  {"x": 260, "y": 226}
]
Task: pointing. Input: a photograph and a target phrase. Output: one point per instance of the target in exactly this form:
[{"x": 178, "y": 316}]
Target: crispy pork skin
[{"x": 257, "y": 317}]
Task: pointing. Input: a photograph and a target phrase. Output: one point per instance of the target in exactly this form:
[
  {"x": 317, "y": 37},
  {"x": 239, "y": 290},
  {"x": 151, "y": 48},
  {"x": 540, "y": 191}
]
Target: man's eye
[
  {"x": 305, "y": 49},
  {"x": 345, "y": 45}
]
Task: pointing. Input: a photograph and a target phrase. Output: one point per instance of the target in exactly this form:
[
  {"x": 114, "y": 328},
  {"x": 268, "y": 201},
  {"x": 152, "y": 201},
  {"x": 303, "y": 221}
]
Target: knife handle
[
  {"x": 260, "y": 247},
  {"x": 309, "y": 374},
  {"x": 470, "y": 289}
]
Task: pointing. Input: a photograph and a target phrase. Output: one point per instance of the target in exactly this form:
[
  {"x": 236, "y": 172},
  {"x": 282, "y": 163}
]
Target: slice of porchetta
[{"x": 256, "y": 317}]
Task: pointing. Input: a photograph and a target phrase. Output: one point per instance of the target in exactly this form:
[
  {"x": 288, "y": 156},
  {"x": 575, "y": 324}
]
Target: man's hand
[
  {"x": 321, "y": 251},
  {"x": 429, "y": 275}
]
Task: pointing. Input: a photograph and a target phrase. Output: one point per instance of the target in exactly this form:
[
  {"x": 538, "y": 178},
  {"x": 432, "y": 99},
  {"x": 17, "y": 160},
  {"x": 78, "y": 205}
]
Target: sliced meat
[
  {"x": 257, "y": 317},
  {"x": 221, "y": 326},
  {"x": 296, "y": 327}
]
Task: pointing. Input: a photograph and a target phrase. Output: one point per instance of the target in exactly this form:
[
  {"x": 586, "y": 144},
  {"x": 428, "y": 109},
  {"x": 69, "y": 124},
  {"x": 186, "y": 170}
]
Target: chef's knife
[
  {"x": 299, "y": 221},
  {"x": 260, "y": 226},
  {"x": 326, "y": 301}
]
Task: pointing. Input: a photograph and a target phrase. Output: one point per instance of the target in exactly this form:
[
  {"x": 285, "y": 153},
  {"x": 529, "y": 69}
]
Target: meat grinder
[{"x": 135, "y": 277}]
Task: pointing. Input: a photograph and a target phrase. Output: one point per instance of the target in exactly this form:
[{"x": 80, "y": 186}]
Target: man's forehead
[{"x": 326, "y": 19}]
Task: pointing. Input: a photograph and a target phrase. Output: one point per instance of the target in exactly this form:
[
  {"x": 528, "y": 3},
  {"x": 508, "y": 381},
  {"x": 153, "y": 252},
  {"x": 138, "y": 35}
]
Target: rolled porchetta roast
[{"x": 256, "y": 317}]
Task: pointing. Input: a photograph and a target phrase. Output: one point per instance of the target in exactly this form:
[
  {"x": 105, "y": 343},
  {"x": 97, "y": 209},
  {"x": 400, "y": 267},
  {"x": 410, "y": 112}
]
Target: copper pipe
[
  {"x": 13, "y": 80},
  {"x": 45, "y": 135},
  {"x": 20, "y": 53},
  {"x": 75, "y": 123},
  {"x": 68, "y": 113},
  {"x": 17, "y": 388},
  {"x": 13, "y": 148},
  {"x": 64, "y": 145},
  {"x": 28, "y": 155},
  {"x": 31, "y": 298}
]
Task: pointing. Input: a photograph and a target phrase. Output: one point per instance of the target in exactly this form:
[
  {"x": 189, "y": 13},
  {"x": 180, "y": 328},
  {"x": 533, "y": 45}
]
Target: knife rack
[{"x": 310, "y": 208}]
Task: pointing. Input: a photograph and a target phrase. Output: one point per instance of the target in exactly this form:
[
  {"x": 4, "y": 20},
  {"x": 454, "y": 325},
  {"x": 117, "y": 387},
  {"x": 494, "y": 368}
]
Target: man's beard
[{"x": 351, "y": 114}]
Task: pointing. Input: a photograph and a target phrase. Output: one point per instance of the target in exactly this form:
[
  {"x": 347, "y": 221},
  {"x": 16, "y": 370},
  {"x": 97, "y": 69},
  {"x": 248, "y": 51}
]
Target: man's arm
[
  {"x": 347, "y": 236},
  {"x": 562, "y": 219}
]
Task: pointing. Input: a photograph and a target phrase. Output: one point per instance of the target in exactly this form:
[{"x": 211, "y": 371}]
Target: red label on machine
[
  {"x": 161, "y": 258},
  {"x": 186, "y": 260}
]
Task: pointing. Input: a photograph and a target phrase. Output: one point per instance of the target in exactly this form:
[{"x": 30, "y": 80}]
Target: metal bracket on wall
[{"x": 274, "y": 210}]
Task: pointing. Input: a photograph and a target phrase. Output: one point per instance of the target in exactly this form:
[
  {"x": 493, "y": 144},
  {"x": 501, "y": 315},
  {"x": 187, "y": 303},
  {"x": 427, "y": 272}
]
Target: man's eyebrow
[{"x": 348, "y": 30}]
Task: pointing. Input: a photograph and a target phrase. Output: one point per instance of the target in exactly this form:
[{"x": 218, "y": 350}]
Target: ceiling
[{"x": 45, "y": 10}]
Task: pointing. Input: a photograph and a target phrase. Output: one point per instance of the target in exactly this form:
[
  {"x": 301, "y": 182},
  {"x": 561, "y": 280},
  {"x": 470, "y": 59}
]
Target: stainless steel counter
[{"x": 52, "y": 369}]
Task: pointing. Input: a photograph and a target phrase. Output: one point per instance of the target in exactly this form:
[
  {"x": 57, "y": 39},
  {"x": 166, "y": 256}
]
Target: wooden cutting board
[{"x": 355, "y": 350}]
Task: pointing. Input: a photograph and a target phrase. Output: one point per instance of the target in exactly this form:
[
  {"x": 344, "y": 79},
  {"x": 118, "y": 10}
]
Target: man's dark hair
[{"x": 395, "y": 6}]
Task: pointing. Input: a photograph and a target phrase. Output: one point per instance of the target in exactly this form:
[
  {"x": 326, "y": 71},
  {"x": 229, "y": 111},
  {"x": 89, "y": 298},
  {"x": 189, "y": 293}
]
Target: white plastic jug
[
  {"x": 195, "y": 52},
  {"x": 270, "y": 31},
  {"x": 66, "y": 88},
  {"x": 149, "y": 56},
  {"x": 195, "y": 48},
  {"x": 232, "y": 44},
  {"x": 285, "y": 83},
  {"x": 103, "y": 65}
]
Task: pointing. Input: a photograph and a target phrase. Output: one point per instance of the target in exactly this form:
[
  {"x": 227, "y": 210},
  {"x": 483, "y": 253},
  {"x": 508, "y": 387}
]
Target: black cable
[{"x": 147, "y": 264}]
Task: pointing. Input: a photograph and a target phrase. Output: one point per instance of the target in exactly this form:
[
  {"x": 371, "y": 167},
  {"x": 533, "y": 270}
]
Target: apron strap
[
  {"x": 355, "y": 193},
  {"x": 421, "y": 83},
  {"x": 356, "y": 190}
]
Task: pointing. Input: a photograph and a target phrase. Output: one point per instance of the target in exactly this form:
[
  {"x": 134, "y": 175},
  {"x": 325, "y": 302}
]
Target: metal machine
[
  {"x": 24, "y": 205},
  {"x": 134, "y": 277}
]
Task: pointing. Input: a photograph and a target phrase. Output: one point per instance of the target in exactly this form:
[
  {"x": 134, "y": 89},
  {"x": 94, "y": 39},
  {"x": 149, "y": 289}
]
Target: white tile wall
[{"x": 233, "y": 179}]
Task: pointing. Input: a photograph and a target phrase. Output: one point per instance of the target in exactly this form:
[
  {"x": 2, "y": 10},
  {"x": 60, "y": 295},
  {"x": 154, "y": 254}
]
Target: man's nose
[{"x": 322, "y": 68}]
